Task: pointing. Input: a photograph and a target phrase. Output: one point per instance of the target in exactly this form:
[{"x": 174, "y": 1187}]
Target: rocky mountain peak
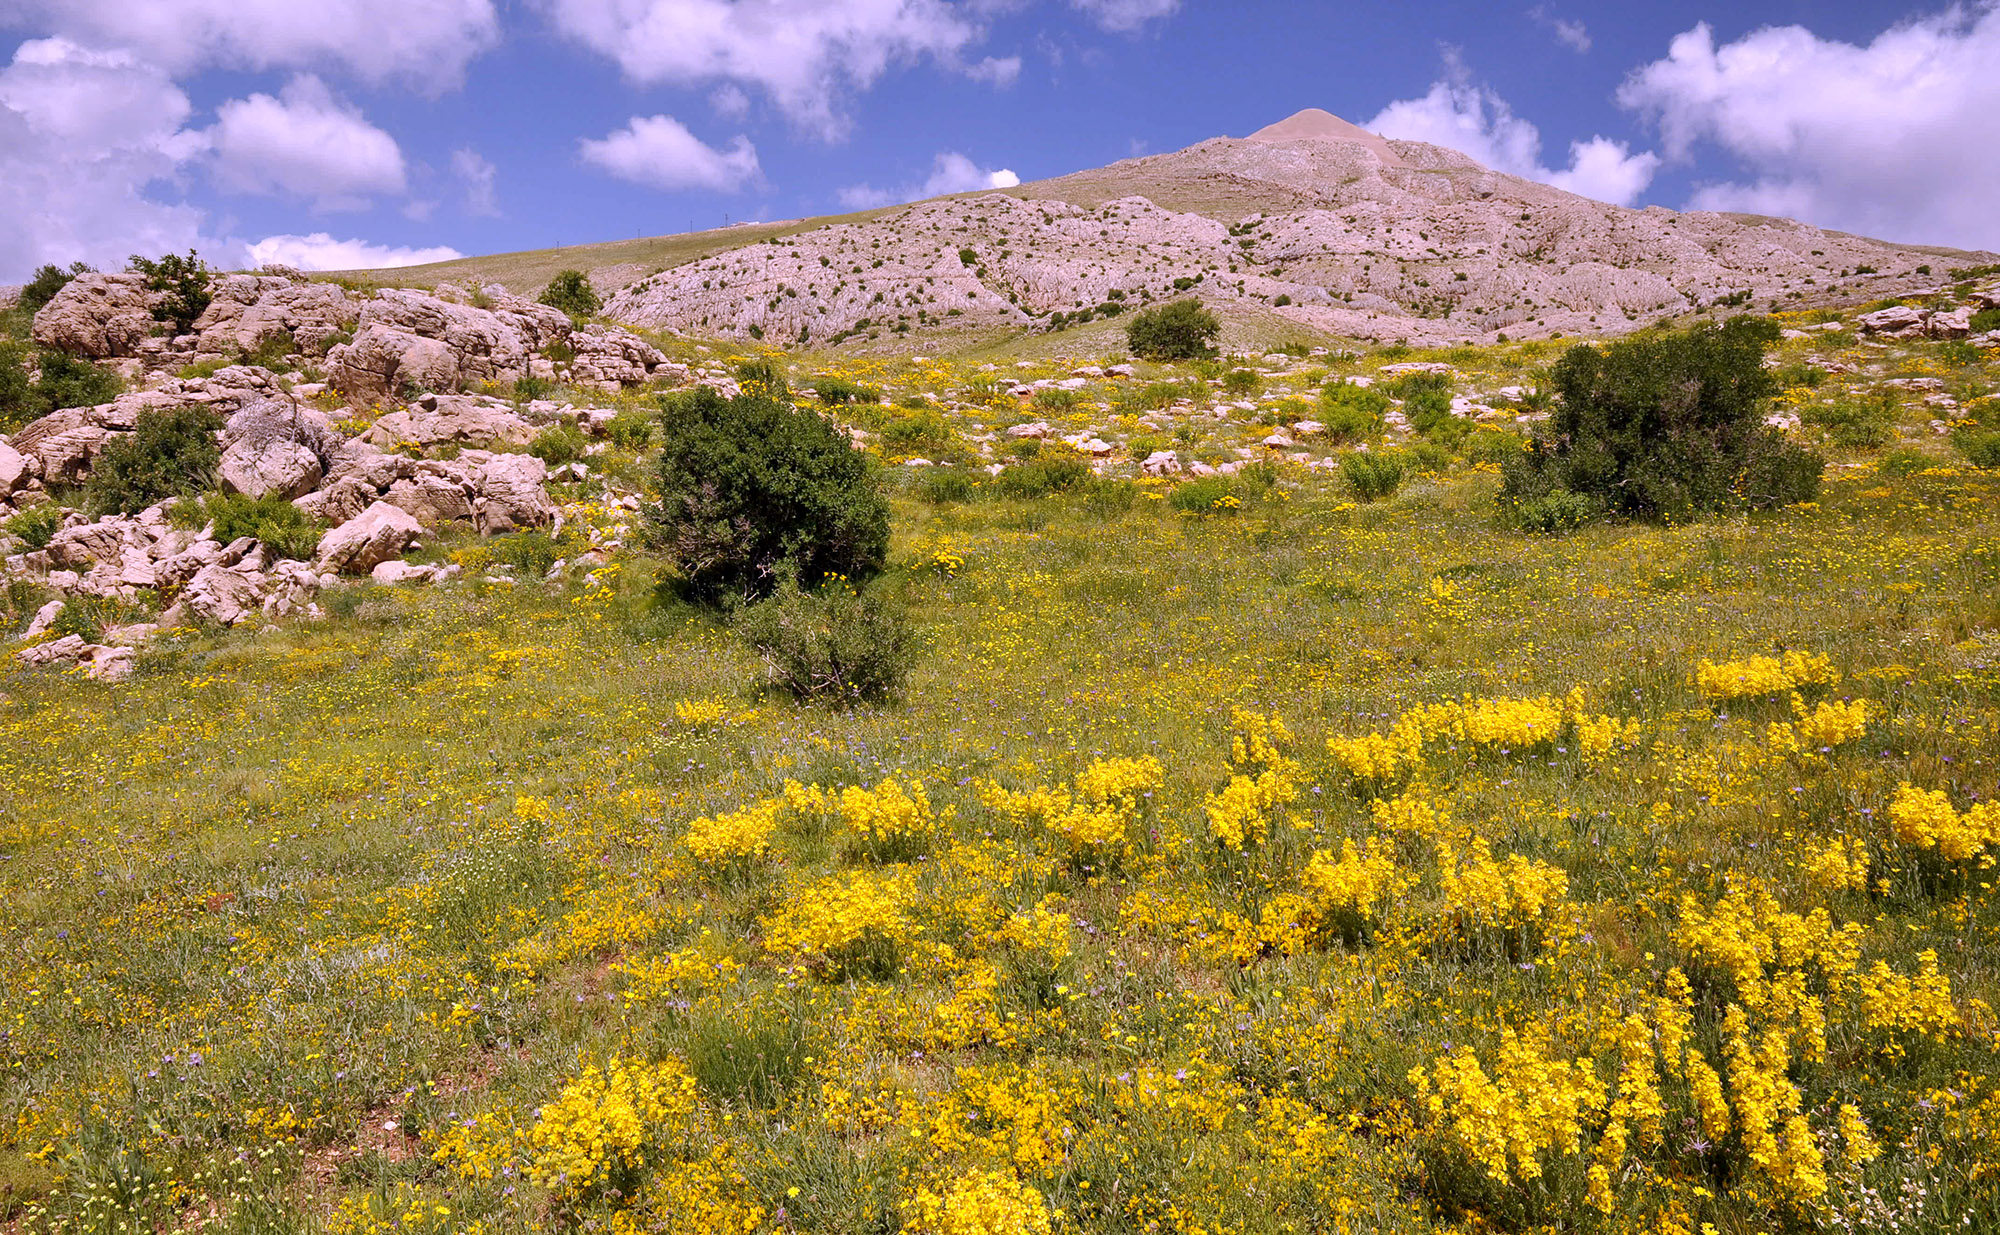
[{"x": 1314, "y": 124}]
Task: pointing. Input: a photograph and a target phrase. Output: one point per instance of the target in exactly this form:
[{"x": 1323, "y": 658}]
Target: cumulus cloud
[
  {"x": 952, "y": 173},
  {"x": 1571, "y": 34},
  {"x": 1898, "y": 139},
  {"x": 320, "y": 251},
  {"x": 1460, "y": 114},
  {"x": 1125, "y": 16},
  {"x": 425, "y": 42},
  {"x": 476, "y": 172},
  {"x": 304, "y": 143},
  {"x": 660, "y": 153},
  {"x": 804, "y": 54},
  {"x": 82, "y": 135}
]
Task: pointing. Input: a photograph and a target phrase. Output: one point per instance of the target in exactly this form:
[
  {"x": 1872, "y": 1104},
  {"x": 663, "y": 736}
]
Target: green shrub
[
  {"x": 1856, "y": 424},
  {"x": 1985, "y": 320},
  {"x": 834, "y": 645},
  {"x": 274, "y": 353},
  {"x": 1490, "y": 445},
  {"x": 1153, "y": 396},
  {"x": 1056, "y": 399},
  {"x": 840, "y": 392},
  {"x": 919, "y": 431},
  {"x": 1210, "y": 495},
  {"x": 1427, "y": 457},
  {"x": 558, "y": 444},
  {"x": 944, "y": 486},
  {"x": 630, "y": 429},
  {"x": 1109, "y": 497},
  {"x": 272, "y": 521},
  {"x": 37, "y": 525},
  {"x": 1351, "y": 412},
  {"x": 171, "y": 452},
  {"x": 1904, "y": 462},
  {"x": 183, "y": 284},
  {"x": 1980, "y": 447},
  {"x": 1800, "y": 373},
  {"x": 571, "y": 292},
  {"x": 1559, "y": 510},
  {"x": 1181, "y": 330},
  {"x": 753, "y": 489},
  {"x": 1042, "y": 476},
  {"x": 1427, "y": 407},
  {"x": 47, "y": 282},
  {"x": 1144, "y": 444},
  {"x": 63, "y": 381},
  {"x": 1372, "y": 475},
  {"x": 1242, "y": 382},
  {"x": 529, "y": 388},
  {"x": 762, "y": 376},
  {"x": 1667, "y": 425}
]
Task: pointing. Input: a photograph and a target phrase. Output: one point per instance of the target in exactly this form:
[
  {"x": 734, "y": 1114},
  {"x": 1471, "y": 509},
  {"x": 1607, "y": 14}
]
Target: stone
[
  {"x": 409, "y": 572},
  {"x": 15, "y": 469},
  {"x": 220, "y": 595},
  {"x": 466, "y": 420},
  {"x": 1038, "y": 430},
  {"x": 63, "y": 443},
  {"x": 111, "y": 664},
  {"x": 511, "y": 496},
  {"x": 408, "y": 339},
  {"x": 431, "y": 500},
  {"x": 611, "y": 359},
  {"x": 1896, "y": 321},
  {"x": 67, "y": 650},
  {"x": 338, "y": 502},
  {"x": 1162, "y": 463},
  {"x": 98, "y": 316},
  {"x": 1953, "y": 325},
  {"x": 381, "y": 532},
  {"x": 246, "y": 312},
  {"x": 1306, "y": 428},
  {"x": 44, "y": 618},
  {"x": 1278, "y": 441},
  {"x": 276, "y": 448}
]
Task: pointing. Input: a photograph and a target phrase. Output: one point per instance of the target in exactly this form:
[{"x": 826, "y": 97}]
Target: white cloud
[
  {"x": 1571, "y": 34},
  {"x": 425, "y": 42},
  {"x": 320, "y": 251},
  {"x": 1471, "y": 119},
  {"x": 477, "y": 173},
  {"x": 804, "y": 54},
  {"x": 729, "y": 101},
  {"x": 996, "y": 71},
  {"x": 952, "y": 173},
  {"x": 1899, "y": 139},
  {"x": 82, "y": 134},
  {"x": 1125, "y": 16},
  {"x": 660, "y": 153},
  {"x": 304, "y": 143}
]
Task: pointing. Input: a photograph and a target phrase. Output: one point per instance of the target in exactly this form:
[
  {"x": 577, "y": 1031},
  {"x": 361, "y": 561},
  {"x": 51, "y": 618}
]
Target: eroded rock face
[
  {"x": 610, "y": 359},
  {"x": 511, "y": 494},
  {"x": 63, "y": 444},
  {"x": 248, "y": 311},
  {"x": 98, "y": 316},
  {"x": 415, "y": 340},
  {"x": 381, "y": 532},
  {"x": 274, "y": 447},
  {"x": 467, "y": 420}
]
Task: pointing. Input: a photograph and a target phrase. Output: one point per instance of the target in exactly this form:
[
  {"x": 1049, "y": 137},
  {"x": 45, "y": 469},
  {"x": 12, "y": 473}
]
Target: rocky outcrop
[
  {"x": 98, "y": 661},
  {"x": 248, "y": 311},
  {"x": 410, "y": 340},
  {"x": 610, "y": 359},
  {"x": 512, "y": 496},
  {"x": 274, "y": 447},
  {"x": 381, "y": 532},
  {"x": 465, "y": 420},
  {"x": 98, "y": 316},
  {"x": 63, "y": 444}
]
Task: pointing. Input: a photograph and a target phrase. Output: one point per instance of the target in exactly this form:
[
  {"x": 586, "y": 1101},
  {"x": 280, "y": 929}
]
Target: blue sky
[{"x": 367, "y": 131}]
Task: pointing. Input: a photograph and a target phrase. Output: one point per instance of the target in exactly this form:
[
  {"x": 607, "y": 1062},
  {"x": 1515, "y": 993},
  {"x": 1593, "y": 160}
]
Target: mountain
[{"x": 1312, "y": 226}]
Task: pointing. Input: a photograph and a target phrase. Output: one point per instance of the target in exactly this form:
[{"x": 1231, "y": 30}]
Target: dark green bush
[
  {"x": 840, "y": 392},
  {"x": 1242, "y": 382},
  {"x": 171, "y": 452},
  {"x": 1904, "y": 462},
  {"x": 1667, "y": 425},
  {"x": 1211, "y": 495},
  {"x": 1556, "y": 511},
  {"x": 47, "y": 282},
  {"x": 1042, "y": 476},
  {"x": 753, "y": 490},
  {"x": 1373, "y": 474},
  {"x": 37, "y": 525},
  {"x": 834, "y": 645},
  {"x": 761, "y": 376},
  {"x": 630, "y": 429},
  {"x": 272, "y": 521},
  {"x": 559, "y": 444},
  {"x": 1985, "y": 320},
  {"x": 63, "y": 381},
  {"x": 1351, "y": 412},
  {"x": 1856, "y": 424},
  {"x": 1109, "y": 497},
  {"x": 1981, "y": 447},
  {"x": 944, "y": 486},
  {"x": 183, "y": 283},
  {"x": 571, "y": 292},
  {"x": 1427, "y": 407},
  {"x": 1181, "y": 330}
]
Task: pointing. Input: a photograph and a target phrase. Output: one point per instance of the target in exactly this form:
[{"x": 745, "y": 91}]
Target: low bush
[
  {"x": 1490, "y": 445},
  {"x": 272, "y": 521},
  {"x": 1856, "y": 424},
  {"x": 918, "y": 432},
  {"x": 171, "y": 452},
  {"x": 1242, "y": 382},
  {"x": 1211, "y": 495},
  {"x": 559, "y": 444},
  {"x": 841, "y": 392},
  {"x": 944, "y": 486},
  {"x": 37, "y": 525},
  {"x": 47, "y": 282},
  {"x": 61, "y": 381},
  {"x": 1109, "y": 497},
  {"x": 1904, "y": 462},
  {"x": 1557, "y": 511},
  {"x": 833, "y": 645},
  {"x": 1153, "y": 396},
  {"x": 1372, "y": 475},
  {"x": 1986, "y": 320},
  {"x": 183, "y": 285},
  {"x": 1056, "y": 399},
  {"x": 1980, "y": 447},
  {"x": 1351, "y": 412},
  {"x": 1041, "y": 476},
  {"x": 1427, "y": 407},
  {"x": 571, "y": 292},
  {"x": 763, "y": 376},
  {"x": 630, "y": 429},
  {"x": 1181, "y": 330}
]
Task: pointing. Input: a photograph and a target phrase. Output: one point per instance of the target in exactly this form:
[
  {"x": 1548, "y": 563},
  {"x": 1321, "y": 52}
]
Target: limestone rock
[
  {"x": 278, "y": 448},
  {"x": 63, "y": 444},
  {"x": 381, "y": 532},
  {"x": 431, "y": 500},
  {"x": 338, "y": 502},
  {"x": 611, "y": 359},
  {"x": 511, "y": 495},
  {"x": 248, "y": 311},
  {"x": 220, "y": 595},
  {"x": 98, "y": 316},
  {"x": 464, "y": 419},
  {"x": 15, "y": 469},
  {"x": 1897, "y": 321},
  {"x": 416, "y": 339}
]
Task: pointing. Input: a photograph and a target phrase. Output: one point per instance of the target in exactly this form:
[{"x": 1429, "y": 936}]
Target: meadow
[{"x": 1289, "y": 864}]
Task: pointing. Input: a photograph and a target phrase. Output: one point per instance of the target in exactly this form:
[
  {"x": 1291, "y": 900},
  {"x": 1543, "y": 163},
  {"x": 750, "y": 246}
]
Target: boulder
[
  {"x": 612, "y": 359},
  {"x": 67, "y": 650},
  {"x": 63, "y": 444},
  {"x": 1953, "y": 325},
  {"x": 15, "y": 469},
  {"x": 409, "y": 572},
  {"x": 248, "y": 311},
  {"x": 411, "y": 339},
  {"x": 338, "y": 502},
  {"x": 1038, "y": 430},
  {"x": 274, "y": 447},
  {"x": 1897, "y": 321},
  {"x": 1162, "y": 463},
  {"x": 381, "y": 532},
  {"x": 220, "y": 595},
  {"x": 98, "y": 316},
  {"x": 432, "y": 500},
  {"x": 467, "y": 420},
  {"x": 45, "y": 617},
  {"x": 511, "y": 495}
]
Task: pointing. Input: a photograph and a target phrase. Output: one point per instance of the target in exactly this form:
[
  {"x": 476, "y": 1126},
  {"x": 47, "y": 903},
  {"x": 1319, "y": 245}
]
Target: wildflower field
[{"x": 1279, "y": 864}]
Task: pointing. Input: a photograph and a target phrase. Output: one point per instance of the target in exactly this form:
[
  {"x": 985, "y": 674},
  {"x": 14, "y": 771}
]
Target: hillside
[{"x": 1311, "y": 227}]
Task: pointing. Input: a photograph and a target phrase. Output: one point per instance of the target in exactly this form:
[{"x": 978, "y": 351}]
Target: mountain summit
[{"x": 1312, "y": 226}]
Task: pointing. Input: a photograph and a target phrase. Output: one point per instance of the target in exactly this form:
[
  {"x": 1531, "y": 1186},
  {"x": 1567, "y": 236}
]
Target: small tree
[
  {"x": 753, "y": 491},
  {"x": 1182, "y": 330},
  {"x": 48, "y": 281},
  {"x": 171, "y": 452},
  {"x": 183, "y": 284},
  {"x": 836, "y": 645},
  {"x": 571, "y": 292},
  {"x": 1667, "y": 425}
]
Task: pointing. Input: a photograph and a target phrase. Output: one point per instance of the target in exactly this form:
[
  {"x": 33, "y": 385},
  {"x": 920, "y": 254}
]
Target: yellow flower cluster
[
  {"x": 700, "y": 713},
  {"x": 1094, "y": 813},
  {"x": 888, "y": 814},
  {"x": 831, "y": 923},
  {"x": 1509, "y": 895},
  {"x": 1504, "y": 723},
  {"x": 1763, "y": 675},
  {"x": 1263, "y": 779},
  {"x": 1926, "y": 819},
  {"x": 1353, "y": 886},
  {"x": 1830, "y": 724},
  {"x": 1920, "y": 1005},
  {"x": 606, "y": 1121},
  {"x": 734, "y": 835},
  {"x": 1531, "y": 1105},
  {"x": 979, "y": 1203},
  {"x": 1841, "y": 866}
]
